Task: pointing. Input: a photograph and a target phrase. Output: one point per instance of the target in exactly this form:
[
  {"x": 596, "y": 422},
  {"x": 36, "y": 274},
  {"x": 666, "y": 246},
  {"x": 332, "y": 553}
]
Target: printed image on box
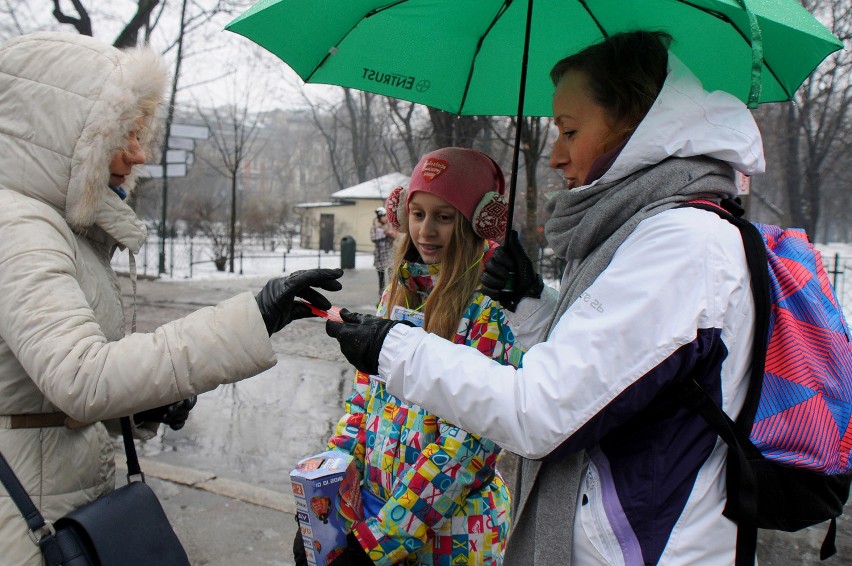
[{"x": 328, "y": 500}]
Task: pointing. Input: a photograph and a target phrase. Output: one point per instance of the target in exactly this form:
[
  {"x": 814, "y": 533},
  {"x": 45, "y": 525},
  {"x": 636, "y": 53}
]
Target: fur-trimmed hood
[{"x": 69, "y": 101}]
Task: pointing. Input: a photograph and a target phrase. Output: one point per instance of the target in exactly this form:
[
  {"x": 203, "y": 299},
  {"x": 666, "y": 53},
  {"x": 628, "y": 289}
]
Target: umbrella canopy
[
  {"x": 493, "y": 57},
  {"x": 466, "y": 56}
]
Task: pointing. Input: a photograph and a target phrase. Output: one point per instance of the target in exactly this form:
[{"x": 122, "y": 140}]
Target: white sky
[{"x": 220, "y": 67}]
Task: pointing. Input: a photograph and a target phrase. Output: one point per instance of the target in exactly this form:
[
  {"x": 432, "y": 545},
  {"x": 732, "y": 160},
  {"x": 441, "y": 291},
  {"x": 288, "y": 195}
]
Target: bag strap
[
  {"x": 42, "y": 532},
  {"x": 133, "y": 468},
  {"x": 740, "y": 476},
  {"x": 757, "y": 261}
]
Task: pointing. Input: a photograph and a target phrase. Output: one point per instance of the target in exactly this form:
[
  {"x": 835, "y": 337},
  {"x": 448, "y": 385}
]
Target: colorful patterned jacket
[{"x": 444, "y": 501}]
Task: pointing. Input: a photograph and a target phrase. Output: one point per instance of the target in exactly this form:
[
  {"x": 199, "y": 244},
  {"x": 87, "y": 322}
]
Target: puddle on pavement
[{"x": 257, "y": 429}]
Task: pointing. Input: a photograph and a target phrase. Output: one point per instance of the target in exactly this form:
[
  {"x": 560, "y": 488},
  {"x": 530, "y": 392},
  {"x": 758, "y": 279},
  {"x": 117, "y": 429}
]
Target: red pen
[{"x": 332, "y": 314}]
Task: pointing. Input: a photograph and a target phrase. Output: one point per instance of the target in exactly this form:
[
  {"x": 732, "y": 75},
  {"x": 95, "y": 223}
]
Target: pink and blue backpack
[{"x": 789, "y": 449}]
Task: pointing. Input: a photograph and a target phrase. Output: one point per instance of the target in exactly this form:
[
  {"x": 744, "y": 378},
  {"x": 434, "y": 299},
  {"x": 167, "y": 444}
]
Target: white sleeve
[
  {"x": 671, "y": 277},
  {"x": 531, "y": 317}
]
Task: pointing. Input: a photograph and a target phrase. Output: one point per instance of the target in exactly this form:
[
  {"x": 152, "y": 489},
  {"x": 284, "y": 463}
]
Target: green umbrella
[{"x": 469, "y": 57}]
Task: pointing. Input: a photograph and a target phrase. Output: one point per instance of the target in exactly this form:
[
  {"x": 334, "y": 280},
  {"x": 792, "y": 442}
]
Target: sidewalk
[
  {"x": 222, "y": 522},
  {"x": 220, "y": 519}
]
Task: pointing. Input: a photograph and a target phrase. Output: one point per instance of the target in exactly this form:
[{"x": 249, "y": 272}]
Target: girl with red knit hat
[{"x": 431, "y": 491}]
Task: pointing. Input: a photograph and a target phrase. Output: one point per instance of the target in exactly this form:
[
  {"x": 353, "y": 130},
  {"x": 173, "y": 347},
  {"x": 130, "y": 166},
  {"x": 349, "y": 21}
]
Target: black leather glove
[
  {"x": 354, "y": 555},
  {"x": 174, "y": 415},
  {"x": 276, "y": 299},
  {"x": 299, "y": 555},
  {"x": 361, "y": 337},
  {"x": 509, "y": 275}
]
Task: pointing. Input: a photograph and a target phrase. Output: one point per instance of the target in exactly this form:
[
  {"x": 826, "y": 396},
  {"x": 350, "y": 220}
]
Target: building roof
[
  {"x": 317, "y": 204},
  {"x": 378, "y": 188}
]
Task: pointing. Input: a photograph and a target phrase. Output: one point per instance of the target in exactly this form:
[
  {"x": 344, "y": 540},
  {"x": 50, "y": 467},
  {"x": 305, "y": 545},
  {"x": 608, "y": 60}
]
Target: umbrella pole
[{"x": 513, "y": 180}]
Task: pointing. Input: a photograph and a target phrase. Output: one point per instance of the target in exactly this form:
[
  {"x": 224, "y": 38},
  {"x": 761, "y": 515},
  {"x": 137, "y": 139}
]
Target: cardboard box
[{"x": 327, "y": 490}]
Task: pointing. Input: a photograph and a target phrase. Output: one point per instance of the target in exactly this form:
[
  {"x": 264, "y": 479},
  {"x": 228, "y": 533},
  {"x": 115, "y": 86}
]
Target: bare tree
[
  {"x": 809, "y": 139},
  {"x": 359, "y": 109},
  {"x": 352, "y": 134},
  {"x": 13, "y": 17},
  {"x": 265, "y": 216},
  {"x": 330, "y": 129},
  {"x": 233, "y": 132},
  {"x": 459, "y": 131},
  {"x": 413, "y": 137},
  {"x": 533, "y": 143},
  {"x": 207, "y": 221},
  {"x": 129, "y": 34},
  {"x": 366, "y": 135}
]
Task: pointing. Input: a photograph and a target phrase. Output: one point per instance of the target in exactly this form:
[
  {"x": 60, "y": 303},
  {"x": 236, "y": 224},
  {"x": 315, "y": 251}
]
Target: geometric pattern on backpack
[{"x": 803, "y": 415}]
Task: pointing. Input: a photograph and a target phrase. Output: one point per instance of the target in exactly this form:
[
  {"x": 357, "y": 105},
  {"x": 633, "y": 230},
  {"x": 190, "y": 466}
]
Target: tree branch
[{"x": 83, "y": 24}]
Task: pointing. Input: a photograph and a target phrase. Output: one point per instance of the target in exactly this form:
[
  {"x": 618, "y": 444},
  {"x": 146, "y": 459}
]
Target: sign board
[
  {"x": 181, "y": 143},
  {"x": 172, "y": 170},
  {"x": 176, "y": 156},
  {"x": 189, "y": 131}
]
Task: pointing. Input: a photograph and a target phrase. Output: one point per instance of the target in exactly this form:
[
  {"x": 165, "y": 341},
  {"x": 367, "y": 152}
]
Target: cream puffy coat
[{"x": 68, "y": 102}]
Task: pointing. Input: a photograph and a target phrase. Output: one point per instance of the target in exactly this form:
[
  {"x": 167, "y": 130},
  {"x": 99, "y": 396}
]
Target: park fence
[{"x": 186, "y": 258}]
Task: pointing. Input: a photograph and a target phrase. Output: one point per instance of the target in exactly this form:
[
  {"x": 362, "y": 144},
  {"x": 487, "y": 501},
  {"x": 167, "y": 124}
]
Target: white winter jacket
[
  {"x": 67, "y": 102},
  {"x": 674, "y": 300}
]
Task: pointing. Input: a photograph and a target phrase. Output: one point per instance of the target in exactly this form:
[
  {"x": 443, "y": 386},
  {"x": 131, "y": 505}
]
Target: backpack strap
[
  {"x": 757, "y": 261},
  {"x": 740, "y": 476}
]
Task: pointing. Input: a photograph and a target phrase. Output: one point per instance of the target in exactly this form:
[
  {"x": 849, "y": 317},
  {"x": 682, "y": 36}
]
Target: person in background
[
  {"x": 620, "y": 471},
  {"x": 431, "y": 490},
  {"x": 383, "y": 235},
  {"x": 78, "y": 119}
]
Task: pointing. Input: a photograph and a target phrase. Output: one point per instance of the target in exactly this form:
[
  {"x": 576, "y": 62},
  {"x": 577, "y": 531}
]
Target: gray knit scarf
[{"x": 586, "y": 228}]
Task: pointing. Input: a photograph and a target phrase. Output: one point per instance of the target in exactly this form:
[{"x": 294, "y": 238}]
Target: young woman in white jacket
[
  {"x": 78, "y": 117},
  {"x": 619, "y": 472}
]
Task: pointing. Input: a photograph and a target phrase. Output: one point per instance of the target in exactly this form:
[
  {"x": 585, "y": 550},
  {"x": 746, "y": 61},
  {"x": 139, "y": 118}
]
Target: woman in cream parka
[{"x": 76, "y": 118}]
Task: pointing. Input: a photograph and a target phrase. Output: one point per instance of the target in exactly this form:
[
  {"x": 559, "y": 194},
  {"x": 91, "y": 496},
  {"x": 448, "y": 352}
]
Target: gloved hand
[
  {"x": 509, "y": 275},
  {"x": 354, "y": 555},
  {"x": 174, "y": 415},
  {"x": 276, "y": 299},
  {"x": 361, "y": 337},
  {"x": 299, "y": 554}
]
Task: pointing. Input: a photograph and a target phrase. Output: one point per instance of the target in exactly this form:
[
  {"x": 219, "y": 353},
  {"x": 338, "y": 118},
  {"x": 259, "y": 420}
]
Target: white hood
[
  {"x": 687, "y": 121},
  {"x": 69, "y": 102}
]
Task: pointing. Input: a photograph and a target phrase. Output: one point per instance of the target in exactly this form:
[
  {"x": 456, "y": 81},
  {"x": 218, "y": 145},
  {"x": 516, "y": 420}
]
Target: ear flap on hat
[
  {"x": 491, "y": 215},
  {"x": 395, "y": 206}
]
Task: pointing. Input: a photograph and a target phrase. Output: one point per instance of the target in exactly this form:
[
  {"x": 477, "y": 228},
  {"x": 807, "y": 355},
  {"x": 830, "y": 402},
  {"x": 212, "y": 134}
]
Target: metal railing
[{"x": 189, "y": 258}]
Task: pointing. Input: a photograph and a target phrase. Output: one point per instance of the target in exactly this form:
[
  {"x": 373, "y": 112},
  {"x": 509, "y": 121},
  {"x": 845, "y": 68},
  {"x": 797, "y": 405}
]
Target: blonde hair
[{"x": 459, "y": 278}]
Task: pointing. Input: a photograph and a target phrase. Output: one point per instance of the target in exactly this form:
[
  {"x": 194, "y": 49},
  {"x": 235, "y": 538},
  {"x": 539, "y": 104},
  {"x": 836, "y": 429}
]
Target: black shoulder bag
[{"x": 127, "y": 527}]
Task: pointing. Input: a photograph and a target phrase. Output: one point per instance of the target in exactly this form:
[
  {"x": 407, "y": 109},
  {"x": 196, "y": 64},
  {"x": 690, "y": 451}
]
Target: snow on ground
[
  {"x": 829, "y": 251},
  {"x": 185, "y": 260}
]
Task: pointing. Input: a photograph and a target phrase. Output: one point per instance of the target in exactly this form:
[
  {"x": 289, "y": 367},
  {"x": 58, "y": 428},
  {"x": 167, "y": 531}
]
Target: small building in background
[{"x": 350, "y": 212}]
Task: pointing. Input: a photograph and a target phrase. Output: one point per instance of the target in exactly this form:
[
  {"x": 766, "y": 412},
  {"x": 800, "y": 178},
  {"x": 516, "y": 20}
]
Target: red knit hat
[{"x": 467, "y": 179}]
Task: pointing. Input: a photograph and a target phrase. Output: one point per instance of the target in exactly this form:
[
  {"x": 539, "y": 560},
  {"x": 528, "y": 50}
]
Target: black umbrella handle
[{"x": 519, "y": 124}]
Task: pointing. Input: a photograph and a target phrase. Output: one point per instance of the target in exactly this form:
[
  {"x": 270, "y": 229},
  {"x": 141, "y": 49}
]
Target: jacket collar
[{"x": 116, "y": 222}]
